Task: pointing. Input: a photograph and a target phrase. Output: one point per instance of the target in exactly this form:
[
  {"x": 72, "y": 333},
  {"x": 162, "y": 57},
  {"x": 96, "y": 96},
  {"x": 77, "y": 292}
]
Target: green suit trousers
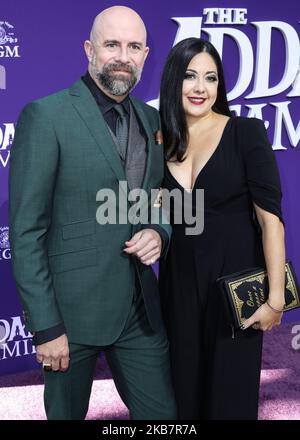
[{"x": 139, "y": 362}]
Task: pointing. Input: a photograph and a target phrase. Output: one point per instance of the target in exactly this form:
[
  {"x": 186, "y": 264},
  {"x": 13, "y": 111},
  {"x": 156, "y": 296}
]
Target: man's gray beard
[{"x": 118, "y": 85}]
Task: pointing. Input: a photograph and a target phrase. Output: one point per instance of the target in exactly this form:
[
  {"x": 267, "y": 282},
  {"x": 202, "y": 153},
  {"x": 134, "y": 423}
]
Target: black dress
[{"x": 216, "y": 372}]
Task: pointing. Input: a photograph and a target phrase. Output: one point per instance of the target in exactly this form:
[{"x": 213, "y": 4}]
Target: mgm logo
[{"x": 8, "y": 47}]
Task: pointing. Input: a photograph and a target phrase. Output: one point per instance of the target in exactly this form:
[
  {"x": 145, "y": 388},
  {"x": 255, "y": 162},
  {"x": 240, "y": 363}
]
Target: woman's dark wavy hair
[{"x": 172, "y": 115}]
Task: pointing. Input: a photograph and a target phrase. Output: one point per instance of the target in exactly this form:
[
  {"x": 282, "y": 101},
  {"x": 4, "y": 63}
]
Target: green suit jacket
[{"x": 69, "y": 268}]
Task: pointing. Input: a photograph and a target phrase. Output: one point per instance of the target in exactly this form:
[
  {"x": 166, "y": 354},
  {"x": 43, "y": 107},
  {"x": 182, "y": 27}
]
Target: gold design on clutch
[
  {"x": 290, "y": 285},
  {"x": 255, "y": 296}
]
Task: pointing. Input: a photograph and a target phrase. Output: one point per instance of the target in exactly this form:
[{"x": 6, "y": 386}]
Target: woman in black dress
[{"x": 216, "y": 371}]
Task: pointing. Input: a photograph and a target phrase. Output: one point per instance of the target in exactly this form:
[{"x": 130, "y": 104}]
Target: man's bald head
[
  {"x": 117, "y": 50},
  {"x": 118, "y": 16}
]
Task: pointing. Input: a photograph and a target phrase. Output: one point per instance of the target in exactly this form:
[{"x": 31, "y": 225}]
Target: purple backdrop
[{"x": 41, "y": 51}]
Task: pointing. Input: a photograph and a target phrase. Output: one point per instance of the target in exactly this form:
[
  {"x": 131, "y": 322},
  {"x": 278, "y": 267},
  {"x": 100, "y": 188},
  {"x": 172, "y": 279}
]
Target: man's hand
[
  {"x": 55, "y": 352},
  {"x": 146, "y": 245}
]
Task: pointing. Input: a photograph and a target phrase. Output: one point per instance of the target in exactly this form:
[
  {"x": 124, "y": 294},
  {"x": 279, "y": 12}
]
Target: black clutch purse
[{"x": 245, "y": 291}]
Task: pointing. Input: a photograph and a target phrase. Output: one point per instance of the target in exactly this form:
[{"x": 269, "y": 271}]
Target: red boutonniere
[{"x": 158, "y": 137}]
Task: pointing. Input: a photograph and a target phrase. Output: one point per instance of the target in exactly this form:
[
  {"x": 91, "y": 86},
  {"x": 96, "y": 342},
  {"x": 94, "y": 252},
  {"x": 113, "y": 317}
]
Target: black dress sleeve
[{"x": 261, "y": 167}]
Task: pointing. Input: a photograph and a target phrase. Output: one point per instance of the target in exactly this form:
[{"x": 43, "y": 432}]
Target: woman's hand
[{"x": 265, "y": 318}]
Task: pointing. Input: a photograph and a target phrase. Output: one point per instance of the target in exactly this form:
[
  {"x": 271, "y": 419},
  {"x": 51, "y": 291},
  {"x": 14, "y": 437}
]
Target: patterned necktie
[{"x": 121, "y": 130}]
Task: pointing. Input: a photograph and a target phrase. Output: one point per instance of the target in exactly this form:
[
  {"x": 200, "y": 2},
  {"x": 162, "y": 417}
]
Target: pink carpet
[{"x": 21, "y": 395}]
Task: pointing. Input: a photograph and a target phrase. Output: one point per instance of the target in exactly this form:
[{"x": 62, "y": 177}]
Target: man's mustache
[{"x": 119, "y": 67}]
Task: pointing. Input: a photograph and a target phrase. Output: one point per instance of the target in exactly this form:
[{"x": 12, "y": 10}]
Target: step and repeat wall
[{"x": 41, "y": 51}]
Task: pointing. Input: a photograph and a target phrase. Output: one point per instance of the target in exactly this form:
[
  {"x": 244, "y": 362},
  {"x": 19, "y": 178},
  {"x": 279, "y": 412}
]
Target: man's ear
[
  {"x": 146, "y": 52},
  {"x": 89, "y": 50}
]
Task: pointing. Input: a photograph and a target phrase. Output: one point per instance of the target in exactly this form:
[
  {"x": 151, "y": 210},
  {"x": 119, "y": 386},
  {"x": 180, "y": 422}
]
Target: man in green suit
[{"x": 86, "y": 285}]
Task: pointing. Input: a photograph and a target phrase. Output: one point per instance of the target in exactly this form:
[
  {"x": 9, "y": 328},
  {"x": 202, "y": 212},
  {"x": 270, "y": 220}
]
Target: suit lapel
[{"x": 87, "y": 108}]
